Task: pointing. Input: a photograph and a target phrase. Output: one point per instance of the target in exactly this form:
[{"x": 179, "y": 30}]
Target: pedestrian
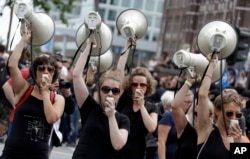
[
  {"x": 104, "y": 130},
  {"x": 35, "y": 116}
]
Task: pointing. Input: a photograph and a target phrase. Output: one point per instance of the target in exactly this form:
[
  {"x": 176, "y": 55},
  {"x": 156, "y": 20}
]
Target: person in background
[
  {"x": 142, "y": 114},
  {"x": 214, "y": 139},
  {"x": 167, "y": 138},
  {"x": 34, "y": 118},
  {"x": 57, "y": 132},
  {"x": 104, "y": 130}
]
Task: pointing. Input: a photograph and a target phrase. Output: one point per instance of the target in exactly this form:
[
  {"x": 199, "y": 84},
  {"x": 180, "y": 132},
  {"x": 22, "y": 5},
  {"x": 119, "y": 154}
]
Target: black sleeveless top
[
  {"x": 30, "y": 133},
  {"x": 213, "y": 147},
  {"x": 187, "y": 144}
]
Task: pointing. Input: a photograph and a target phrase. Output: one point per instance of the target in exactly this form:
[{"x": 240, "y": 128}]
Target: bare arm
[
  {"x": 9, "y": 94},
  {"x": 80, "y": 88},
  {"x": 179, "y": 116},
  {"x": 163, "y": 131},
  {"x": 204, "y": 124},
  {"x": 149, "y": 120},
  {"x": 19, "y": 84}
]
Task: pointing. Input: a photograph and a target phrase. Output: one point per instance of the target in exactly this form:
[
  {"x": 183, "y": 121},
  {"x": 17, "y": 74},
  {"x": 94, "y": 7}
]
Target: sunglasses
[
  {"x": 107, "y": 89},
  {"x": 42, "y": 68},
  {"x": 139, "y": 84},
  {"x": 230, "y": 114}
]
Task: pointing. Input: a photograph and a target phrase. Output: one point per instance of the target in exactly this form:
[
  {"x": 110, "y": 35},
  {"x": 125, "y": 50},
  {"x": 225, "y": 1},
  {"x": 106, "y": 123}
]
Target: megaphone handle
[{"x": 190, "y": 71}]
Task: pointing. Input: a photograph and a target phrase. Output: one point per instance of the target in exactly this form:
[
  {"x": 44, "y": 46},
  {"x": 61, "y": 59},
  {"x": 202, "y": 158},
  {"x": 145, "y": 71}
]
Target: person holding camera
[{"x": 58, "y": 131}]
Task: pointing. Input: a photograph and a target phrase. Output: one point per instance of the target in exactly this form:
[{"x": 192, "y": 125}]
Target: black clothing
[
  {"x": 187, "y": 143},
  {"x": 95, "y": 142},
  {"x": 213, "y": 147},
  {"x": 30, "y": 132},
  {"x": 136, "y": 144}
]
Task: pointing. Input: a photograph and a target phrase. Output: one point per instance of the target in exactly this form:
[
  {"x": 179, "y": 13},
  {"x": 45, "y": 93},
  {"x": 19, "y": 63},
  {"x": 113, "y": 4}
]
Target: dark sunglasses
[
  {"x": 106, "y": 89},
  {"x": 139, "y": 84},
  {"x": 42, "y": 68},
  {"x": 230, "y": 114}
]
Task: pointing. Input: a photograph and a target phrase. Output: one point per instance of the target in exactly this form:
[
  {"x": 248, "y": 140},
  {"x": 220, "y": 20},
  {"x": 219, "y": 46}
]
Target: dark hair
[
  {"x": 2, "y": 48},
  {"x": 40, "y": 61}
]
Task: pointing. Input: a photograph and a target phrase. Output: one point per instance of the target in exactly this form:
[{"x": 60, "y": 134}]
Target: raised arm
[
  {"x": 204, "y": 124},
  {"x": 80, "y": 88},
  {"x": 179, "y": 115},
  {"x": 19, "y": 84},
  {"x": 124, "y": 57}
]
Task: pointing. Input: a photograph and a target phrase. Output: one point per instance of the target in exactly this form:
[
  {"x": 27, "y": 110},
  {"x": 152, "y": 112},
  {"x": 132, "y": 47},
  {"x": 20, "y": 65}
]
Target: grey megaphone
[
  {"x": 197, "y": 63},
  {"x": 219, "y": 37},
  {"x": 41, "y": 25},
  {"x": 106, "y": 61},
  {"x": 132, "y": 23},
  {"x": 100, "y": 32}
]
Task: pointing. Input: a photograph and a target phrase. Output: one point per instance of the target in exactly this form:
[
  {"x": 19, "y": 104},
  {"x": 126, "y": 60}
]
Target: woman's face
[
  {"x": 231, "y": 111},
  {"x": 45, "y": 69},
  {"x": 138, "y": 83},
  {"x": 110, "y": 89}
]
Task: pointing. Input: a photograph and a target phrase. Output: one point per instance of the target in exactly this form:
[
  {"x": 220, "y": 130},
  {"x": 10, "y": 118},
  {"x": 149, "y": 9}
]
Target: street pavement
[{"x": 62, "y": 152}]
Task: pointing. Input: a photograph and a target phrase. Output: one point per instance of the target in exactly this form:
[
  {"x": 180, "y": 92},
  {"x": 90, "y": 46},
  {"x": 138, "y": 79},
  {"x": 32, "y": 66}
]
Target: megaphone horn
[
  {"x": 197, "y": 63},
  {"x": 101, "y": 33},
  {"x": 132, "y": 23},
  {"x": 219, "y": 37},
  {"x": 41, "y": 25},
  {"x": 106, "y": 61}
]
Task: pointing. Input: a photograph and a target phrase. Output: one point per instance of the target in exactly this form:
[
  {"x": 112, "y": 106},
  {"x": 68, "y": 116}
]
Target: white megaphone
[
  {"x": 41, "y": 25},
  {"x": 94, "y": 29},
  {"x": 106, "y": 61},
  {"x": 132, "y": 23},
  {"x": 197, "y": 63},
  {"x": 219, "y": 37}
]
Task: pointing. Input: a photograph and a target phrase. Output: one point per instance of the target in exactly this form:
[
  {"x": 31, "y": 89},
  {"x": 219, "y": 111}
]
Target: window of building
[
  {"x": 114, "y": 2},
  {"x": 155, "y": 37},
  {"x": 112, "y": 15},
  {"x": 150, "y": 4},
  {"x": 149, "y": 19},
  {"x": 138, "y": 4},
  {"x": 102, "y": 13},
  {"x": 126, "y": 3},
  {"x": 157, "y": 22},
  {"x": 160, "y": 5},
  {"x": 102, "y": 1},
  {"x": 76, "y": 10}
]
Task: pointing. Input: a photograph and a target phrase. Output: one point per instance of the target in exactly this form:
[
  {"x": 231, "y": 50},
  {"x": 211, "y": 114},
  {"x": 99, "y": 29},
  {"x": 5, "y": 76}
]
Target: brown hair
[
  {"x": 229, "y": 95},
  {"x": 141, "y": 71},
  {"x": 111, "y": 74}
]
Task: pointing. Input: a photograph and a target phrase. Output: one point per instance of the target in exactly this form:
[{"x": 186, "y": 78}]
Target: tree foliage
[{"x": 64, "y": 6}]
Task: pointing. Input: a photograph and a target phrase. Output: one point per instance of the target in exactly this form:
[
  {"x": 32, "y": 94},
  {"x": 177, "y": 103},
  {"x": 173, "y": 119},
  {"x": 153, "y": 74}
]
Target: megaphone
[
  {"x": 132, "y": 23},
  {"x": 94, "y": 29},
  {"x": 219, "y": 37},
  {"x": 106, "y": 61},
  {"x": 197, "y": 63},
  {"x": 41, "y": 25}
]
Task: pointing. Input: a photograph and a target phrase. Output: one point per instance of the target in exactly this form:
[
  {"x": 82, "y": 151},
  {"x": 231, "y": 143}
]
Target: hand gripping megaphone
[
  {"x": 94, "y": 28},
  {"x": 197, "y": 63},
  {"x": 40, "y": 24}
]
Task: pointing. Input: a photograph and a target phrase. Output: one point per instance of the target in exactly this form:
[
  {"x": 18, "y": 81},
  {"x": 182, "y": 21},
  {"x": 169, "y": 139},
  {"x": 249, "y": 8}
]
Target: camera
[{"x": 64, "y": 84}]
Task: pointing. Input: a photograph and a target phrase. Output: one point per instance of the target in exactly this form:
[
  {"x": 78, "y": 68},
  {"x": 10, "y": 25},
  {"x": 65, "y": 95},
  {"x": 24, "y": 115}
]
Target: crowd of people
[{"x": 123, "y": 114}]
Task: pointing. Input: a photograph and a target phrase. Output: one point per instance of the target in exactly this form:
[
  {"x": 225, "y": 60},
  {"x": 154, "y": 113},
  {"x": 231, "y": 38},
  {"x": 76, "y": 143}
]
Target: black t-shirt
[
  {"x": 95, "y": 142},
  {"x": 187, "y": 143},
  {"x": 136, "y": 144}
]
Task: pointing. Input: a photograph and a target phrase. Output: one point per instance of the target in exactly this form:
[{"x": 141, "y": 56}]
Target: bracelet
[
  {"x": 209, "y": 76},
  {"x": 188, "y": 83}
]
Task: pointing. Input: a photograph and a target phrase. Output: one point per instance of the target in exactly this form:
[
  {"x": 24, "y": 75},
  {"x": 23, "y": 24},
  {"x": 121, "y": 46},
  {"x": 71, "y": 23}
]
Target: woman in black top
[
  {"x": 214, "y": 140},
  {"x": 35, "y": 116},
  {"x": 104, "y": 130}
]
